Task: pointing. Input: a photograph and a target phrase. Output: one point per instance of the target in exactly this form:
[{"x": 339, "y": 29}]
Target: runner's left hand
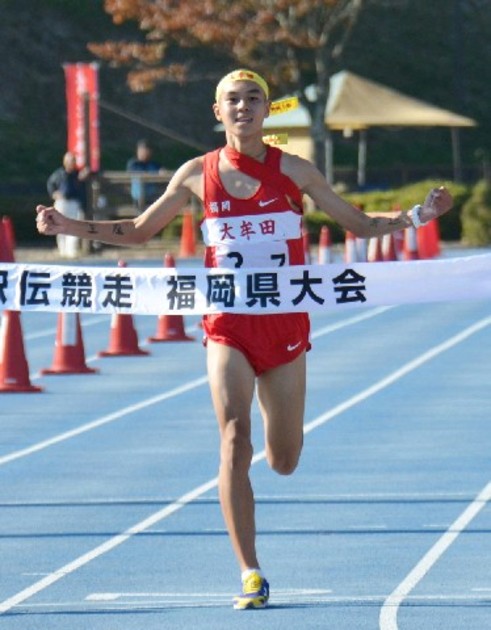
[{"x": 437, "y": 202}]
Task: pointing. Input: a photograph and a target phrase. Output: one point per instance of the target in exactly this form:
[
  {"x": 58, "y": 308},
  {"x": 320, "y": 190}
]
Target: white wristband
[{"x": 415, "y": 218}]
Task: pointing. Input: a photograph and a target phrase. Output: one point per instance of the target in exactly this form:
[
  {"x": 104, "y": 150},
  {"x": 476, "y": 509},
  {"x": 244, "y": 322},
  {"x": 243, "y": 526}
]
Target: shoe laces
[{"x": 253, "y": 583}]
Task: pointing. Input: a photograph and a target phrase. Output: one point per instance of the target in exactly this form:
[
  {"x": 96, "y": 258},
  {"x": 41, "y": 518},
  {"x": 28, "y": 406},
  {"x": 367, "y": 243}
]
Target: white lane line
[
  {"x": 156, "y": 399},
  {"x": 51, "y": 332},
  {"x": 62, "y": 437},
  {"x": 194, "y": 494},
  {"x": 349, "y": 322},
  {"x": 291, "y": 592},
  {"x": 108, "y": 545},
  {"x": 93, "y": 321},
  {"x": 399, "y": 373},
  {"x": 390, "y": 607},
  {"x": 290, "y": 596}
]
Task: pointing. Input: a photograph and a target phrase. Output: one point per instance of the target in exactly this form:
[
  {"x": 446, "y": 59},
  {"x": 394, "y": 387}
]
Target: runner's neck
[{"x": 255, "y": 150}]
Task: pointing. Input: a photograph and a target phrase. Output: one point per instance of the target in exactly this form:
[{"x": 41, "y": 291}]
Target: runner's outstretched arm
[
  {"x": 311, "y": 182},
  {"x": 128, "y": 231}
]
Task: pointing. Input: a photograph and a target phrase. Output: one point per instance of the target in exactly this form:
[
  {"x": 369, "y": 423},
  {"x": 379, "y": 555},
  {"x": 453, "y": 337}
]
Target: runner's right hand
[{"x": 49, "y": 221}]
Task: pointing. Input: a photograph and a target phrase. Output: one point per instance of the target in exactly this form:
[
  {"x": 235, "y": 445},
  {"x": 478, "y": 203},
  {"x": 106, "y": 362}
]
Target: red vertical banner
[
  {"x": 82, "y": 97},
  {"x": 75, "y": 115},
  {"x": 92, "y": 73}
]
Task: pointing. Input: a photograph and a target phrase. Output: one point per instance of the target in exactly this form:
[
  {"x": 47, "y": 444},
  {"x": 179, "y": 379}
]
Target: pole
[
  {"x": 362, "y": 158},
  {"x": 329, "y": 149},
  {"x": 457, "y": 160}
]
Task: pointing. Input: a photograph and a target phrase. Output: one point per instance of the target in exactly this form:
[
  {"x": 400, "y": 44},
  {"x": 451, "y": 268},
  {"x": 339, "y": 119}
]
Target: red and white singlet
[{"x": 264, "y": 230}]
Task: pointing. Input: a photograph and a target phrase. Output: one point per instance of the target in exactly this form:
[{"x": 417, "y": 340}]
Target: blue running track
[{"x": 108, "y": 495}]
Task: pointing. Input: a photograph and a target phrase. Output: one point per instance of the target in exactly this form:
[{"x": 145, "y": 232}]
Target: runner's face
[{"x": 242, "y": 107}]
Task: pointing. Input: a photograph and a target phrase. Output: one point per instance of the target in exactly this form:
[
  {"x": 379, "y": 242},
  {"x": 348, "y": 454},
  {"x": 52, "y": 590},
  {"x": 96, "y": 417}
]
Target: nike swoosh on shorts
[{"x": 293, "y": 347}]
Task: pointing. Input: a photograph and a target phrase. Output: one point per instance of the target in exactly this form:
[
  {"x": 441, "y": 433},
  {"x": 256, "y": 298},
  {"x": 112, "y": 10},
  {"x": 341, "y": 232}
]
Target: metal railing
[{"x": 117, "y": 194}]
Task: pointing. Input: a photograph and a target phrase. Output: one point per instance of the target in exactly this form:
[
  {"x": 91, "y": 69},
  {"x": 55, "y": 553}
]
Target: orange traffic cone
[
  {"x": 399, "y": 244},
  {"x": 429, "y": 240},
  {"x": 399, "y": 235},
  {"x": 410, "y": 251},
  {"x": 123, "y": 340},
  {"x": 6, "y": 251},
  {"x": 350, "y": 254},
  {"x": 9, "y": 234},
  {"x": 170, "y": 327},
  {"x": 389, "y": 252},
  {"x": 188, "y": 236},
  {"x": 374, "y": 251},
  {"x": 69, "y": 356},
  {"x": 325, "y": 246},
  {"x": 14, "y": 371}
]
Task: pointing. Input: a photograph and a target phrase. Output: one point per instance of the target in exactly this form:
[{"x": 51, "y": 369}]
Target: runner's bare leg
[
  {"x": 232, "y": 383},
  {"x": 281, "y": 394}
]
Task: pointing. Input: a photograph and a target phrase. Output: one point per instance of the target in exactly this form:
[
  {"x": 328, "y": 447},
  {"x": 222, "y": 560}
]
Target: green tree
[
  {"x": 293, "y": 43},
  {"x": 476, "y": 215}
]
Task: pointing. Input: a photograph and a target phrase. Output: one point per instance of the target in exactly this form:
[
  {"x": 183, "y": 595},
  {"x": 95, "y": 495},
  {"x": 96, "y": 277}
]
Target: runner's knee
[
  {"x": 285, "y": 462},
  {"x": 236, "y": 447}
]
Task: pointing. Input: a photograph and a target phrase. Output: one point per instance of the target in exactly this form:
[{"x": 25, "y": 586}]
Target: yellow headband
[{"x": 242, "y": 75}]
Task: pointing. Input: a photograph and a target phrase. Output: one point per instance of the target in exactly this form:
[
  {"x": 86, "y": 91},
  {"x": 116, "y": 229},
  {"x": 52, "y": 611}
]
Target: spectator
[
  {"x": 143, "y": 193},
  {"x": 67, "y": 187}
]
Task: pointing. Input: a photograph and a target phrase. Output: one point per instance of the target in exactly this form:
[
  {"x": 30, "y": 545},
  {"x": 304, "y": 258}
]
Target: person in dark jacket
[
  {"x": 67, "y": 187},
  {"x": 143, "y": 163}
]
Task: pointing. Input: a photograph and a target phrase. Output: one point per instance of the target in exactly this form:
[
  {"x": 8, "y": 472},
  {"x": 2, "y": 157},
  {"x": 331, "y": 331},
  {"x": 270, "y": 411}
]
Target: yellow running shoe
[{"x": 255, "y": 593}]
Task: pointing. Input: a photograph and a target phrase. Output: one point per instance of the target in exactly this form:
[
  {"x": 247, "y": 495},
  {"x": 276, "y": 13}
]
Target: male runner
[{"x": 252, "y": 200}]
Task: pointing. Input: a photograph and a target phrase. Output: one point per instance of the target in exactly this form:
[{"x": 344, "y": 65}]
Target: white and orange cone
[
  {"x": 14, "y": 370},
  {"x": 69, "y": 355},
  {"x": 170, "y": 327},
  {"x": 325, "y": 246}
]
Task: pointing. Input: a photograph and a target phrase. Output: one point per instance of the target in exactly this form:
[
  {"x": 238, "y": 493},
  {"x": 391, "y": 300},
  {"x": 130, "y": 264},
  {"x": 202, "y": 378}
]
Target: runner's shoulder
[
  {"x": 191, "y": 168},
  {"x": 298, "y": 169},
  {"x": 189, "y": 174}
]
